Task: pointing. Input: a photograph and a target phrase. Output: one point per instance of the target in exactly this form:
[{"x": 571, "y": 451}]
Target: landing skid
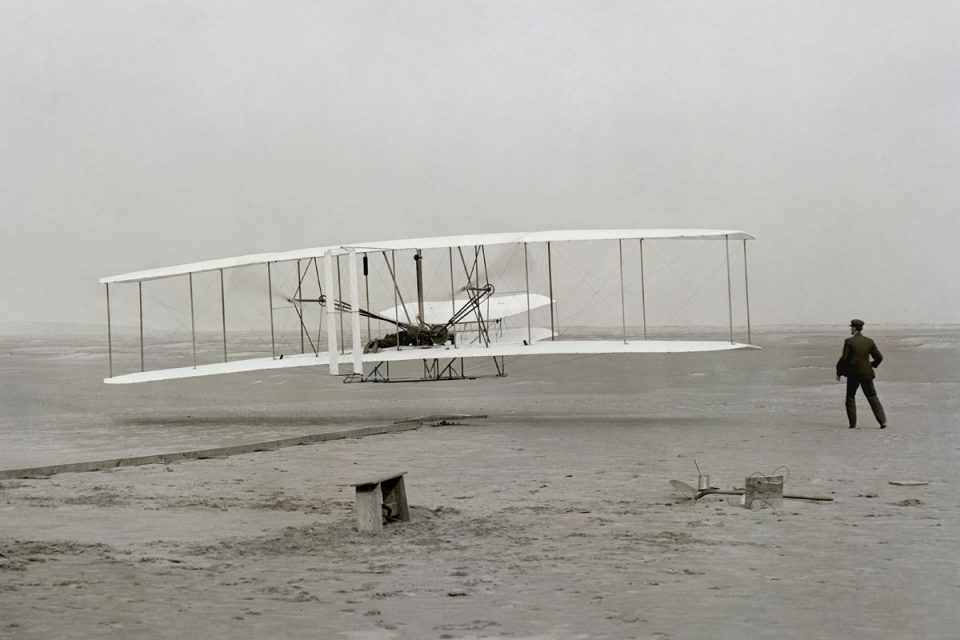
[{"x": 433, "y": 371}]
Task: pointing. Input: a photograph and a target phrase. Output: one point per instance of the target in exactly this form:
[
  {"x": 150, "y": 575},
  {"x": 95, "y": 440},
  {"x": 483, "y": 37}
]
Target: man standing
[{"x": 860, "y": 357}]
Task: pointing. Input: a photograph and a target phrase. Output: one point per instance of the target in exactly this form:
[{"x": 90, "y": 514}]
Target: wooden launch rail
[
  {"x": 408, "y": 424},
  {"x": 204, "y": 454}
]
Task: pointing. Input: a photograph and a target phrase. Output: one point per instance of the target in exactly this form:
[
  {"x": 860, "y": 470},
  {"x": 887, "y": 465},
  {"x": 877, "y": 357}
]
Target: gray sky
[{"x": 140, "y": 134}]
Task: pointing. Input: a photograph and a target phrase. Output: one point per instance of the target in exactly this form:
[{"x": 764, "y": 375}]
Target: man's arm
[
  {"x": 876, "y": 355},
  {"x": 842, "y": 362}
]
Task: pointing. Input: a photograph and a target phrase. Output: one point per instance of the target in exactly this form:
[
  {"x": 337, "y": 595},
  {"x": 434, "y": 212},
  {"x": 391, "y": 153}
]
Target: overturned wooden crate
[{"x": 378, "y": 500}]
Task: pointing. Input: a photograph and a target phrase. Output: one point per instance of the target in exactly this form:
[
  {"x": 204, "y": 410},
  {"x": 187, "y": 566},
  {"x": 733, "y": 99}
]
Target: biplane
[{"x": 471, "y": 319}]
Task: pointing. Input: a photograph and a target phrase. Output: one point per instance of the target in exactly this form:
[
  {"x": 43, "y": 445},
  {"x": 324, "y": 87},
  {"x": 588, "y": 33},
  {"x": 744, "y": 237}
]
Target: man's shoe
[
  {"x": 878, "y": 412},
  {"x": 851, "y": 406}
]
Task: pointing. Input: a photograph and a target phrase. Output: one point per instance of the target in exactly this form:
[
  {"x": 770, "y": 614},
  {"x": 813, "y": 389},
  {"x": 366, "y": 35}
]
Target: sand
[{"x": 553, "y": 518}]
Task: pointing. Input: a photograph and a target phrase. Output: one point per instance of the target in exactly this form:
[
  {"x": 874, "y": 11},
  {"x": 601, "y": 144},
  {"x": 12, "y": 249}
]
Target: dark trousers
[{"x": 870, "y": 391}]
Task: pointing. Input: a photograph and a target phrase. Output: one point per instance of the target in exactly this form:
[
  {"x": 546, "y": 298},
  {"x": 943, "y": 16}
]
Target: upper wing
[
  {"x": 564, "y": 235},
  {"x": 219, "y": 263},
  {"x": 436, "y": 242}
]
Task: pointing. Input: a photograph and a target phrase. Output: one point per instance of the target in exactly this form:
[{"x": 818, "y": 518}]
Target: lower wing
[{"x": 512, "y": 342}]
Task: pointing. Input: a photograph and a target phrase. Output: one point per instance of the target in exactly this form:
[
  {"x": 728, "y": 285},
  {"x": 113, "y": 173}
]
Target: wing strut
[
  {"x": 273, "y": 339},
  {"x": 726, "y": 248},
  {"x": 223, "y": 316},
  {"x": 623, "y": 299},
  {"x": 643, "y": 293},
  {"x": 396, "y": 291},
  {"x": 746, "y": 285},
  {"x": 453, "y": 294},
  {"x": 355, "y": 347},
  {"x": 109, "y": 333},
  {"x": 418, "y": 259},
  {"x": 550, "y": 281},
  {"x": 300, "y": 294},
  {"x": 340, "y": 297},
  {"x": 526, "y": 275},
  {"x": 331, "y": 321},
  {"x": 366, "y": 286},
  {"x": 316, "y": 271},
  {"x": 193, "y": 321},
  {"x": 140, "y": 293}
]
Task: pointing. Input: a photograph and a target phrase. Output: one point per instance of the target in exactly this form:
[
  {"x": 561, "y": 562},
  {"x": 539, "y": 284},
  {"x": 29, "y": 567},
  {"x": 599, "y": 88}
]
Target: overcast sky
[{"x": 140, "y": 134}]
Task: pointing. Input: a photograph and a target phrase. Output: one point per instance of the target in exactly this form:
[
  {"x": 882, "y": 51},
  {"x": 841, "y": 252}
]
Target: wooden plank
[
  {"x": 203, "y": 454},
  {"x": 395, "y": 496},
  {"x": 368, "y": 510},
  {"x": 379, "y": 480}
]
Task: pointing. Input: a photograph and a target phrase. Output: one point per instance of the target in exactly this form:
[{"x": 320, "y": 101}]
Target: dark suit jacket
[{"x": 855, "y": 361}]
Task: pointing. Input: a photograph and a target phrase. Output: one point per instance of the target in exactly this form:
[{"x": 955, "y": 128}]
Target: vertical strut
[
  {"x": 193, "y": 322},
  {"x": 273, "y": 339},
  {"x": 320, "y": 294},
  {"x": 356, "y": 349},
  {"x": 486, "y": 280},
  {"x": 340, "y": 305},
  {"x": 746, "y": 285},
  {"x": 223, "y": 316},
  {"x": 623, "y": 299},
  {"x": 550, "y": 281},
  {"x": 643, "y": 293},
  {"x": 453, "y": 294},
  {"x": 526, "y": 275},
  {"x": 476, "y": 269},
  {"x": 418, "y": 259},
  {"x": 109, "y": 334},
  {"x": 396, "y": 293},
  {"x": 366, "y": 287},
  {"x": 140, "y": 292},
  {"x": 299, "y": 296},
  {"x": 332, "y": 353},
  {"x": 726, "y": 246}
]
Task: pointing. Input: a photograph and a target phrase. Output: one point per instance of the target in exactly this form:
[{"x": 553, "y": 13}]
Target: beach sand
[{"x": 552, "y": 518}]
